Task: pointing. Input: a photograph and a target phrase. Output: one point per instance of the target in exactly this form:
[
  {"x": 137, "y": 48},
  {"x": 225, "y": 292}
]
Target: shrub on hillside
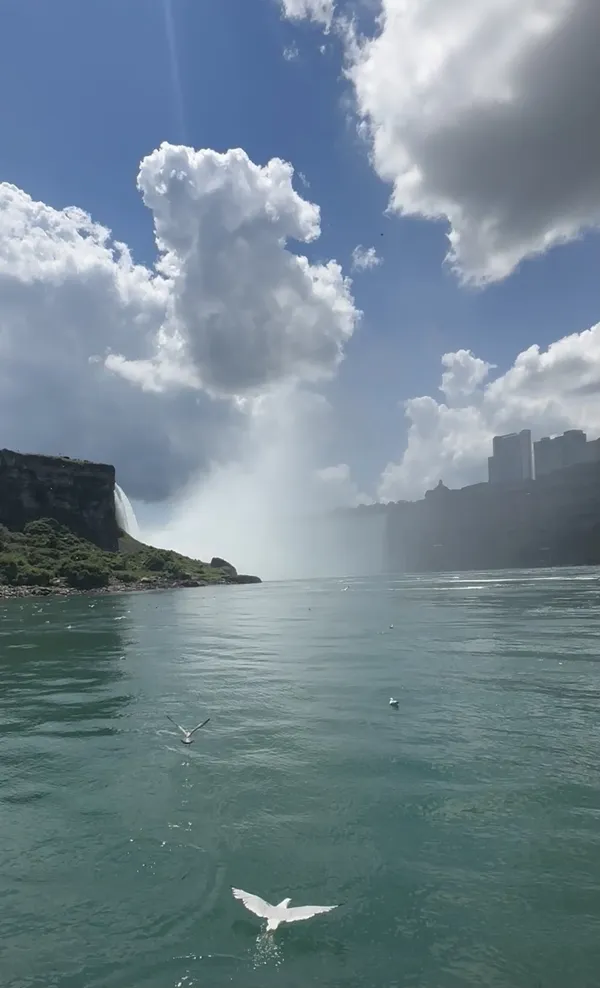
[
  {"x": 85, "y": 574},
  {"x": 124, "y": 576},
  {"x": 9, "y": 566},
  {"x": 33, "y": 576},
  {"x": 154, "y": 561},
  {"x": 19, "y": 572},
  {"x": 41, "y": 528},
  {"x": 176, "y": 569}
]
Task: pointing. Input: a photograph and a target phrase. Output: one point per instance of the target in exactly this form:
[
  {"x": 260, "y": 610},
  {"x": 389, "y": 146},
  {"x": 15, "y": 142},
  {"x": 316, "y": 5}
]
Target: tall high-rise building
[
  {"x": 512, "y": 459},
  {"x": 560, "y": 452},
  {"x": 546, "y": 455}
]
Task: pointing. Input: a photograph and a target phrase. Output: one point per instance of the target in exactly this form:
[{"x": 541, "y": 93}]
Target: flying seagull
[
  {"x": 281, "y": 913},
  {"x": 187, "y": 735}
]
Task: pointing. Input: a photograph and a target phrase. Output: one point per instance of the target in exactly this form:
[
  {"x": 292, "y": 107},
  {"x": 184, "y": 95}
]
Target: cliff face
[{"x": 76, "y": 493}]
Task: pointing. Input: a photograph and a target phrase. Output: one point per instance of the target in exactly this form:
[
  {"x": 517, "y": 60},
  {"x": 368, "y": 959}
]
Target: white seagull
[
  {"x": 394, "y": 703},
  {"x": 187, "y": 735},
  {"x": 280, "y": 913}
]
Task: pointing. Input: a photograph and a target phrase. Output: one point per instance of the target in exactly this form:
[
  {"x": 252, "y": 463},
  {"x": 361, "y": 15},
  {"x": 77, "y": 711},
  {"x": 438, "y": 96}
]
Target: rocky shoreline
[{"x": 7, "y": 591}]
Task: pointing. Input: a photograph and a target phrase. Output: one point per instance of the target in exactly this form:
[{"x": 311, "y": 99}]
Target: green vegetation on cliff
[{"x": 46, "y": 554}]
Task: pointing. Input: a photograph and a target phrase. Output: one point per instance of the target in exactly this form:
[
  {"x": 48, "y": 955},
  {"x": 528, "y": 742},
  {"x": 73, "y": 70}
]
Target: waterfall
[{"x": 125, "y": 514}]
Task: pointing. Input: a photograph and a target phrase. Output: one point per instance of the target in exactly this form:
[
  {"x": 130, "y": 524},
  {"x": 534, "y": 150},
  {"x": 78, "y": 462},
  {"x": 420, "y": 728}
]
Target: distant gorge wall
[
  {"x": 76, "y": 493},
  {"x": 552, "y": 521}
]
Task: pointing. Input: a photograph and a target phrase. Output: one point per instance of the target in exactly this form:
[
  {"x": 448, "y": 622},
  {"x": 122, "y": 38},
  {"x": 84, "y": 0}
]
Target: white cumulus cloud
[
  {"x": 321, "y": 11},
  {"x": 547, "y": 391},
  {"x": 485, "y": 115},
  {"x": 144, "y": 366},
  {"x": 365, "y": 258},
  {"x": 243, "y": 312}
]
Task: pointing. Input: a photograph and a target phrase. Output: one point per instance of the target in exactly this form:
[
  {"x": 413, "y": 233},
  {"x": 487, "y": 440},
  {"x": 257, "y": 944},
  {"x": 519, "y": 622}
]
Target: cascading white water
[{"x": 125, "y": 514}]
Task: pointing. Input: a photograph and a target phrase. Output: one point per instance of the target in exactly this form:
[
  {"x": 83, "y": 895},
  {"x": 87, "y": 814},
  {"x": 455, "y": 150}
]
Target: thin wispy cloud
[
  {"x": 320, "y": 11},
  {"x": 365, "y": 258}
]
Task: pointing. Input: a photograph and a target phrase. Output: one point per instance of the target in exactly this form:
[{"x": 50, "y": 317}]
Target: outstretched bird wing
[
  {"x": 182, "y": 729},
  {"x": 198, "y": 726},
  {"x": 254, "y": 903},
  {"x": 297, "y": 913}
]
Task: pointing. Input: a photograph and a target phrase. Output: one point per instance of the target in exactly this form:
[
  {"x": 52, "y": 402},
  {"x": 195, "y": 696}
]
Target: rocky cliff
[{"x": 76, "y": 493}]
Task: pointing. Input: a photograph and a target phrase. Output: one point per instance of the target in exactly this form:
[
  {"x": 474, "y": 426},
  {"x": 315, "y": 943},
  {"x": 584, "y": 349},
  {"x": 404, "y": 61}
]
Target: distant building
[
  {"x": 551, "y": 521},
  {"x": 512, "y": 459},
  {"x": 561, "y": 451},
  {"x": 592, "y": 451},
  {"x": 547, "y": 456},
  {"x": 436, "y": 492}
]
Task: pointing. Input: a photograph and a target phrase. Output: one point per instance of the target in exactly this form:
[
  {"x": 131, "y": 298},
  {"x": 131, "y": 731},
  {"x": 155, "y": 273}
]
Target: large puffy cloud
[
  {"x": 484, "y": 115},
  {"x": 243, "y": 312},
  {"x": 66, "y": 294},
  {"x": 105, "y": 358},
  {"x": 547, "y": 391}
]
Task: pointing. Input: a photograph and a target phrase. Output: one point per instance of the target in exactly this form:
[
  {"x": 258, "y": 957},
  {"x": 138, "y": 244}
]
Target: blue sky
[{"x": 96, "y": 86}]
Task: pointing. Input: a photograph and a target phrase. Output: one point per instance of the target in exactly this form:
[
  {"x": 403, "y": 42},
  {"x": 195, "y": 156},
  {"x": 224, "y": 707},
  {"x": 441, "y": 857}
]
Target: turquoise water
[{"x": 460, "y": 835}]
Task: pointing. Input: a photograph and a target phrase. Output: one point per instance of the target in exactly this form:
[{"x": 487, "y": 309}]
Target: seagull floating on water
[
  {"x": 394, "y": 703},
  {"x": 187, "y": 735},
  {"x": 280, "y": 913}
]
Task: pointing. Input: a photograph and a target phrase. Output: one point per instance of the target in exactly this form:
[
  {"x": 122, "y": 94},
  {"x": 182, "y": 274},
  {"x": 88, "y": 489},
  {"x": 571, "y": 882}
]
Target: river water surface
[{"x": 460, "y": 835}]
